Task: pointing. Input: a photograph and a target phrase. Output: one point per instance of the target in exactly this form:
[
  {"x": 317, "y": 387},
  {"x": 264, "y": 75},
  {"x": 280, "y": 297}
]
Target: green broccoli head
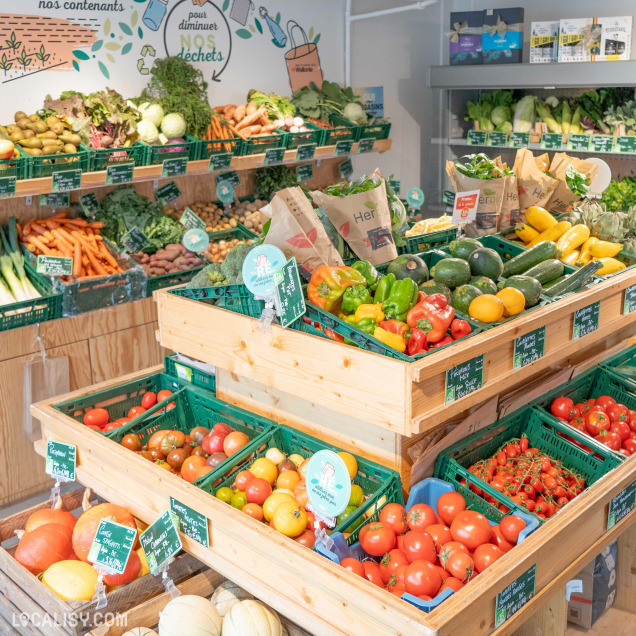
[
  {"x": 209, "y": 276},
  {"x": 232, "y": 266}
]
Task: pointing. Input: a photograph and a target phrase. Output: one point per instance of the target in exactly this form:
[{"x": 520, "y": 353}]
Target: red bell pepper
[
  {"x": 460, "y": 328},
  {"x": 395, "y": 326},
  {"x": 444, "y": 341},
  {"x": 433, "y": 315},
  {"x": 417, "y": 342}
]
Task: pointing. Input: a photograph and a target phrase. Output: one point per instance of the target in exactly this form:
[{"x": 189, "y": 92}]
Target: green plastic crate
[
  {"x": 171, "y": 279},
  {"x": 374, "y": 131},
  {"x": 46, "y": 165},
  {"x": 258, "y": 145},
  {"x": 375, "y": 480},
  {"x": 29, "y": 312},
  {"x": 118, "y": 400},
  {"x": 343, "y": 130},
  {"x": 543, "y": 432},
  {"x": 240, "y": 232},
  {"x": 102, "y": 158},
  {"x": 198, "y": 407},
  {"x": 625, "y": 358},
  {"x": 625, "y": 257},
  {"x": 157, "y": 154},
  {"x": 189, "y": 373},
  {"x": 19, "y": 167},
  {"x": 315, "y": 135},
  {"x": 208, "y": 148},
  {"x": 423, "y": 242}
]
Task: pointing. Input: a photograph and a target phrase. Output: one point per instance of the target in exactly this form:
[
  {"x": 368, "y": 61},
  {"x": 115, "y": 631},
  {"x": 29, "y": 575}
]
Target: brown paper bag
[
  {"x": 363, "y": 220},
  {"x": 296, "y": 230},
  {"x": 510, "y": 213},
  {"x": 491, "y": 193},
  {"x": 562, "y": 197},
  {"x": 535, "y": 187}
]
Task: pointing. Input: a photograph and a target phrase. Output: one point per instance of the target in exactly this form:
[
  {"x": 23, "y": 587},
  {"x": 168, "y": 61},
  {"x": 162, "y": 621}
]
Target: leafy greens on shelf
[
  {"x": 480, "y": 166},
  {"x": 329, "y": 99},
  {"x": 277, "y": 107}
]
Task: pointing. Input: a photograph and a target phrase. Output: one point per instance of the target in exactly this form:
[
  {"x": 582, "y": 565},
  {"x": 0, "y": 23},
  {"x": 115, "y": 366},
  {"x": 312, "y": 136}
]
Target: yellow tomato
[
  {"x": 487, "y": 308},
  {"x": 513, "y": 300},
  {"x": 290, "y": 519},
  {"x": 350, "y": 463},
  {"x": 266, "y": 469},
  {"x": 273, "y": 501},
  {"x": 296, "y": 459},
  {"x": 144, "y": 562},
  {"x": 288, "y": 479},
  {"x": 357, "y": 496}
]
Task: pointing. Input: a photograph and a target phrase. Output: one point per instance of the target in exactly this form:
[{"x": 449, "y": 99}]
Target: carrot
[
  {"x": 59, "y": 215},
  {"x": 239, "y": 113},
  {"x": 237, "y": 133},
  {"x": 96, "y": 225},
  {"x": 79, "y": 222},
  {"x": 219, "y": 109},
  {"x": 66, "y": 235},
  {"x": 251, "y": 108},
  {"x": 61, "y": 240},
  {"x": 77, "y": 260},
  {"x": 39, "y": 245},
  {"x": 95, "y": 264},
  {"x": 110, "y": 259},
  {"x": 268, "y": 129},
  {"x": 83, "y": 241},
  {"x": 226, "y": 108},
  {"x": 52, "y": 225}
]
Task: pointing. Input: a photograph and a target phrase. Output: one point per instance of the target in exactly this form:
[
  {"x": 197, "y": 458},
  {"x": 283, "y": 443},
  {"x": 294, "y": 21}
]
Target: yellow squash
[
  {"x": 573, "y": 239},
  {"x": 572, "y": 258},
  {"x": 539, "y": 218},
  {"x": 610, "y": 266},
  {"x": 513, "y": 300},
  {"x": 585, "y": 256},
  {"x": 487, "y": 308},
  {"x": 553, "y": 233},
  {"x": 604, "y": 249},
  {"x": 525, "y": 232}
]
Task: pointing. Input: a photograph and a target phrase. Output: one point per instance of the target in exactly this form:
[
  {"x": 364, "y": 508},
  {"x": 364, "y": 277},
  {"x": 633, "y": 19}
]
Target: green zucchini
[
  {"x": 626, "y": 370},
  {"x": 574, "y": 281},
  {"x": 546, "y": 271},
  {"x": 540, "y": 252},
  {"x": 554, "y": 282}
]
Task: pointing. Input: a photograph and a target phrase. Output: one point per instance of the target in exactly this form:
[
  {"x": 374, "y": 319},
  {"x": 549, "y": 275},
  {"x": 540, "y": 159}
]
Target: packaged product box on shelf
[
  {"x": 579, "y": 39},
  {"x": 594, "y": 589},
  {"x": 502, "y": 38},
  {"x": 465, "y": 37},
  {"x": 544, "y": 42},
  {"x": 616, "y": 38}
]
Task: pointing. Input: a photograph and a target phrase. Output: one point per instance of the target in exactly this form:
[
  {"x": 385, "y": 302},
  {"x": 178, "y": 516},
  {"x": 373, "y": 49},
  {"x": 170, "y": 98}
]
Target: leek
[
  {"x": 6, "y": 297},
  {"x": 16, "y": 262}
]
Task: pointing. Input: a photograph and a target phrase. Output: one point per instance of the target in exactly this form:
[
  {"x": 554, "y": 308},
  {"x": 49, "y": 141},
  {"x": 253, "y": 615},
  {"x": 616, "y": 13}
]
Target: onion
[
  {"x": 294, "y": 129},
  {"x": 289, "y": 121},
  {"x": 298, "y": 121},
  {"x": 279, "y": 123}
]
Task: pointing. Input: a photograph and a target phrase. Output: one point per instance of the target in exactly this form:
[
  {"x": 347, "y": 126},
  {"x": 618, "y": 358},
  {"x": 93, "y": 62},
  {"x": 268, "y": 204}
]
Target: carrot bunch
[{"x": 74, "y": 238}]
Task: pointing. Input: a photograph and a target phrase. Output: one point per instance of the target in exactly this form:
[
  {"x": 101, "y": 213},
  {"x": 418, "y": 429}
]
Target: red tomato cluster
[
  {"x": 98, "y": 418},
  {"x": 423, "y": 553},
  {"x": 529, "y": 477},
  {"x": 603, "y": 418}
]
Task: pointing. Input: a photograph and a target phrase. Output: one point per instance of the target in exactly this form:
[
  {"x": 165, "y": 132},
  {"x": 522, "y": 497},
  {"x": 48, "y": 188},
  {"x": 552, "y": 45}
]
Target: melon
[
  {"x": 141, "y": 631},
  {"x": 251, "y": 618},
  {"x": 227, "y": 595},
  {"x": 71, "y": 580},
  {"x": 189, "y": 615}
]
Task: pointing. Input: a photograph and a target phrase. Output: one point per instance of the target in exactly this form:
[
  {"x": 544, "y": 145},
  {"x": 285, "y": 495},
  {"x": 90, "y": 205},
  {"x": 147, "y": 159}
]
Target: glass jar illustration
[{"x": 154, "y": 14}]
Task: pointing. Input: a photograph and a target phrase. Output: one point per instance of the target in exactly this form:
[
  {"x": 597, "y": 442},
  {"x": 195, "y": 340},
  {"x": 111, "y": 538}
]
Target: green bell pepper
[
  {"x": 367, "y": 325},
  {"x": 383, "y": 289},
  {"x": 369, "y": 272},
  {"x": 397, "y": 305},
  {"x": 355, "y": 296}
]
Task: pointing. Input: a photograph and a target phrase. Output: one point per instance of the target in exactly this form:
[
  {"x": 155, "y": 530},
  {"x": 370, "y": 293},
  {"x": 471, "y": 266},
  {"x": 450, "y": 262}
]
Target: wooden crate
[
  {"x": 21, "y": 593},
  {"x": 317, "y": 594},
  {"x": 401, "y": 397}
]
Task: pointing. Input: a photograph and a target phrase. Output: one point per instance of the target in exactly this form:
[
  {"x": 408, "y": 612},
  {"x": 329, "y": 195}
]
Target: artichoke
[
  {"x": 609, "y": 226},
  {"x": 630, "y": 245}
]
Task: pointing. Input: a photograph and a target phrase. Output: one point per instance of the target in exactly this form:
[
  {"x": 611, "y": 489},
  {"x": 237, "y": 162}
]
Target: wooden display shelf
[
  {"x": 90, "y": 180},
  {"x": 401, "y": 397},
  {"x": 312, "y": 591}
]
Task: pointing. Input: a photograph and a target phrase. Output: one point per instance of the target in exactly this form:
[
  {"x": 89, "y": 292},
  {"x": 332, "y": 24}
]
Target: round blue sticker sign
[
  {"x": 328, "y": 483},
  {"x": 259, "y": 267},
  {"x": 225, "y": 191},
  {"x": 415, "y": 198},
  {"x": 196, "y": 240}
]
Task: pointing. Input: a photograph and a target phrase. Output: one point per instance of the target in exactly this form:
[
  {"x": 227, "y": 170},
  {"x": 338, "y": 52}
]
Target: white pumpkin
[
  {"x": 228, "y": 594},
  {"x": 251, "y": 618},
  {"x": 189, "y": 615},
  {"x": 141, "y": 631}
]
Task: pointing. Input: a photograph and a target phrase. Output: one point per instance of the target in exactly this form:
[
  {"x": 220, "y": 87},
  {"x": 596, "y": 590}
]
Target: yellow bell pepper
[
  {"x": 525, "y": 232},
  {"x": 553, "y": 233},
  {"x": 370, "y": 311},
  {"x": 573, "y": 239},
  {"x": 572, "y": 258},
  {"x": 393, "y": 340},
  {"x": 610, "y": 266},
  {"x": 603, "y": 249},
  {"x": 539, "y": 218},
  {"x": 585, "y": 256}
]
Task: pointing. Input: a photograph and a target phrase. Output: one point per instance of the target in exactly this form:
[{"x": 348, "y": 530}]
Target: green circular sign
[
  {"x": 225, "y": 191},
  {"x": 196, "y": 240},
  {"x": 415, "y": 198}
]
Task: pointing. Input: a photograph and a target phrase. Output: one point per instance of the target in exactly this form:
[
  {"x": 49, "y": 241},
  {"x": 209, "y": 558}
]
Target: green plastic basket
[
  {"x": 157, "y": 154},
  {"x": 625, "y": 358},
  {"x": 28, "y": 312},
  {"x": 343, "y": 130},
  {"x": 543, "y": 432},
  {"x": 423, "y": 242},
  {"x": 375, "y": 480},
  {"x": 189, "y": 373},
  {"x": 258, "y": 145},
  {"x": 171, "y": 279},
  {"x": 102, "y": 158},
  {"x": 118, "y": 400},
  {"x": 46, "y": 165},
  {"x": 374, "y": 131},
  {"x": 208, "y": 148},
  {"x": 240, "y": 232},
  {"x": 18, "y": 167},
  {"x": 625, "y": 257},
  {"x": 198, "y": 407},
  {"x": 315, "y": 135}
]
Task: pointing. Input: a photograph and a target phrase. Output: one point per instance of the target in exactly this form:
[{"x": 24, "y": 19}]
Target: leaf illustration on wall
[
  {"x": 104, "y": 70},
  {"x": 252, "y": 29},
  {"x": 277, "y": 18},
  {"x": 80, "y": 55},
  {"x": 311, "y": 33},
  {"x": 226, "y": 4},
  {"x": 107, "y": 27},
  {"x": 97, "y": 45},
  {"x": 112, "y": 46},
  {"x": 244, "y": 33},
  {"x": 75, "y": 65},
  {"x": 133, "y": 18},
  {"x": 126, "y": 48},
  {"x": 140, "y": 33},
  {"x": 317, "y": 39},
  {"x": 110, "y": 58},
  {"x": 258, "y": 25},
  {"x": 125, "y": 28}
]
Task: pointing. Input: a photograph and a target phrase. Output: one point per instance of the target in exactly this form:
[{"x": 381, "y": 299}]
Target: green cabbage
[
  {"x": 173, "y": 126},
  {"x": 500, "y": 114},
  {"x": 524, "y": 114}
]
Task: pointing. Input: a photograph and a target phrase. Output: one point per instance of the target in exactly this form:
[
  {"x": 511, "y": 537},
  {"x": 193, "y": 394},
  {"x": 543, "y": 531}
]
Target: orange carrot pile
[{"x": 74, "y": 238}]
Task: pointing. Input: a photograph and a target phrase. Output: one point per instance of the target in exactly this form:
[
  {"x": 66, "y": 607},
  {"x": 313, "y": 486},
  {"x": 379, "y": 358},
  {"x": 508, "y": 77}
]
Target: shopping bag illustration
[
  {"x": 303, "y": 62},
  {"x": 240, "y": 10}
]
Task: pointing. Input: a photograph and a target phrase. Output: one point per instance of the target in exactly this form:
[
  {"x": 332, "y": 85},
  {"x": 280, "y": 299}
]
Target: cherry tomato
[
  {"x": 390, "y": 562},
  {"x": 112, "y": 425},
  {"x": 421, "y": 577},
  {"x": 372, "y": 572},
  {"x": 394, "y": 516},
  {"x": 511, "y": 526},
  {"x": 149, "y": 399},
  {"x": 485, "y": 555},
  {"x": 96, "y": 417},
  {"x": 353, "y": 565},
  {"x": 523, "y": 443},
  {"x": 621, "y": 428},
  {"x": 440, "y": 534},
  {"x": 611, "y": 440},
  {"x": 461, "y": 565},
  {"x": 604, "y": 401},
  {"x": 420, "y": 516},
  {"x": 419, "y": 545},
  {"x": 502, "y": 460},
  {"x": 471, "y": 528},
  {"x": 595, "y": 422},
  {"x": 563, "y": 407},
  {"x": 449, "y": 505},
  {"x": 632, "y": 420}
]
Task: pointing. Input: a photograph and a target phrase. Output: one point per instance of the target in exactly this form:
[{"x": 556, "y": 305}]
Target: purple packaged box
[{"x": 465, "y": 37}]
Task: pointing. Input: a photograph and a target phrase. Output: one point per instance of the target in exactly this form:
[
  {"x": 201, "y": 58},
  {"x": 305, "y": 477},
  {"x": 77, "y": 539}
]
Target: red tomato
[
  {"x": 563, "y": 407},
  {"x": 595, "y": 422},
  {"x": 442, "y": 572},
  {"x": 222, "y": 428},
  {"x": 372, "y": 572},
  {"x": 420, "y": 516},
  {"x": 611, "y": 440},
  {"x": 390, "y": 562},
  {"x": 497, "y": 538},
  {"x": 135, "y": 411},
  {"x": 243, "y": 479},
  {"x": 396, "y": 580},
  {"x": 510, "y": 527},
  {"x": 149, "y": 399},
  {"x": 604, "y": 401},
  {"x": 377, "y": 539},
  {"x": 306, "y": 538},
  {"x": 632, "y": 420},
  {"x": 461, "y": 565},
  {"x": 93, "y": 427},
  {"x": 582, "y": 407},
  {"x": 621, "y": 428},
  {"x": 452, "y": 583},
  {"x": 394, "y": 516},
  {"x": 623, "y": 451},
  {"x": 471, "y": 528},
  {"x": 485, "y": 555},
  {"x": 449, "y": 505},
  {"x": 257, "y": 491},
  {"x": 630, "y": 445},
  {"x": 112, "y": 425},
  {"x": 123, "y": 420},
  {"x": 163, "y": 394},
  {"x": 213, "y": 443},
  {"x": 353, "y": 565},
  {"x": 618, "y": 413},
  {"x": 419, "y": 545},
  {"x": 96, "y": 417},
  {"x": 422, "y": 578},
  {"x": 254, "y": 511},
  {"x": 440, "y": 533}
]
